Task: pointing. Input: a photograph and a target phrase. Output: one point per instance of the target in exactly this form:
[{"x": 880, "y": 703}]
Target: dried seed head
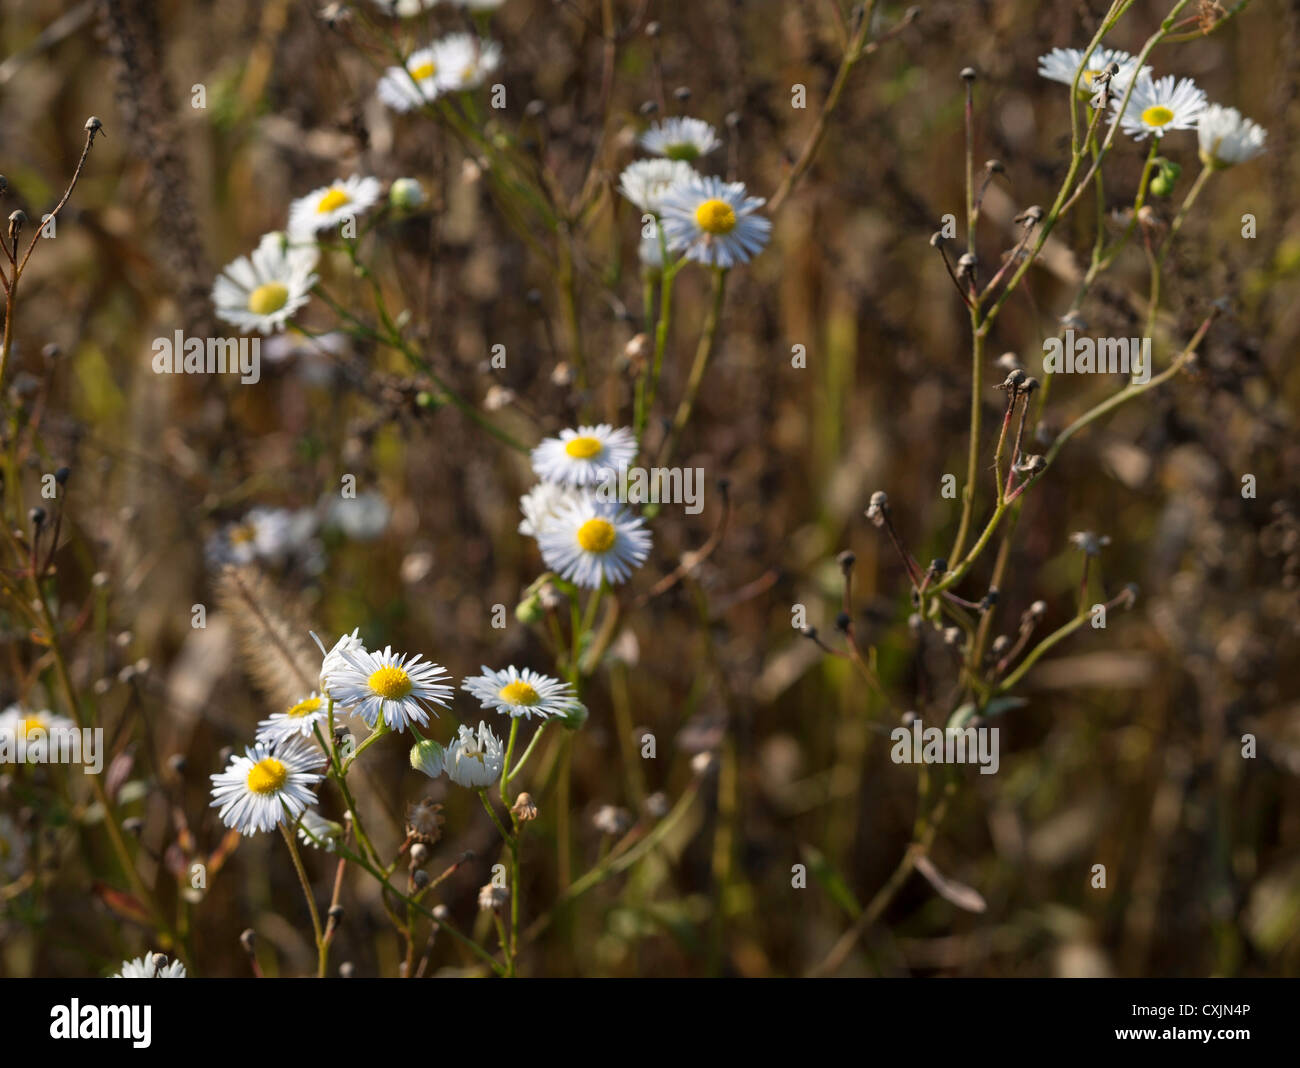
[
  {"x": 968, "y": 74},
  {"x": 249, "y": 941},
  {"x": 492, "y": 898},
  {"x": 420, "y": 878},
  {"x": 637, "y": 349},
  {"x": 419, "y": 854},
  {"x": 1031, "y": 216},
  {"x": 878, "y": 509},
  {"x": 1035, "y": 612},
  {"x": 1031, "y": 465},
  {"x": 682, "y": 94},
  {"x": 648, "y": 107},
  {"x": 843, "y": 622},
  {"x": 846, "y": 560},
  {"x": 937, "y": 239},
  {"x": 1128, "y": 596},
  {"x": 938, "y": 566},
  {"x": 994, "y": 166},
  {"x": 17, "y": 220},
  {"x": 1013, "y": 381},
  {"x": 952, "y": 637},
  {"x": 524, "y": 809},
  {"x": 915, "y": 623},
  {"x": 1028, "y": 386},
  {"x": 1074, "y": 321},
  {"x": 1000, "y": 645},
  {"x": 966, "y": 264},
  {"x": 1008, "y": 362}
]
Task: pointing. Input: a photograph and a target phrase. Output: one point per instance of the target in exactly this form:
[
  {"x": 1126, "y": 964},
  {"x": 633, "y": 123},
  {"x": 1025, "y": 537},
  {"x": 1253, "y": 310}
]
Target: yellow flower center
[
  {"x": 597, "y": 535},
  {"x": 304, "y": 708},
  {"x": 267, "y": 776},
  {"x": 268, "y": 298},
  {"x": 519, "y": 693},
  {"x": 716, "y": 217},
  {"x": 1088, "y": 76},
  {"x": 467, "y": 74},
  {"x": 685, "y": 151},
  {"x": 332, "y": 201},
  {"x": 1157, "y": 115},
  {"x": 583, "y": 448},
  {"x": 390, "y": 683},
  {"x": 424, "y": 70}
]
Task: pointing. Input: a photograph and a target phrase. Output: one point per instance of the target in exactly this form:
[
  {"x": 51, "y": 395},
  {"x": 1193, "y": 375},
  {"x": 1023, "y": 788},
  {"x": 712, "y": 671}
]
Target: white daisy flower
[
  {"x": 543, "y": 502},
  {"x": 680, "y": 138},
  {"x": 258, "y": 790},
  {"x": 297, "y": 721},
  {"x": 389, "y": 686},
  {"x": 474, "y": 760},
  {"x": 714, "y": 222},
  {"x": 263, "y": 290},
  {"x": 1227, "y": 138},
  {"x": 324, "y": 834},
  {"x": 333, "y": 204},
  {"x": 464, "y": 61},
  {"x": 584, "y": 456},
  {"x": 595, "y": 542},
  {"x": 13, "y": 848},
  {"x": 1060, "y": 64},
  {"x": 18, "y": 722},
  {"x": 333, "y": 661},
  {"x": 646, "y": 181},
  {"x": 151, "y": 966},
  {"x": 412, "y": 85},
  {"x": 269, "y": 534},
  {"x": 1160, "y": 105},
  {"x": 522, "y": 693}
]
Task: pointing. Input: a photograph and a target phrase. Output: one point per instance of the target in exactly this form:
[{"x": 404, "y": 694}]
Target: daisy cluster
[
  {"x": 452, "y": 64},
  {"x": 1157, "y": 106},
  {"x": 261, "y": 292},
  {"x": 274, "y": 780},
  {"x": 701, "y": 217},
  {"x": 583, "y": 539}
]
